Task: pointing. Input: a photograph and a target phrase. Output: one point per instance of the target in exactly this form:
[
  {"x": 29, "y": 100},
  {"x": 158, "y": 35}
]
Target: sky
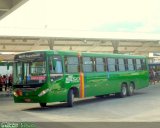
[{"x": 87, "y": 15}]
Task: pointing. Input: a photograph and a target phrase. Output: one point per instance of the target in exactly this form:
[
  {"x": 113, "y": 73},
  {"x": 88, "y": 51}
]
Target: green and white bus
[{"x": 60, "y": 76}]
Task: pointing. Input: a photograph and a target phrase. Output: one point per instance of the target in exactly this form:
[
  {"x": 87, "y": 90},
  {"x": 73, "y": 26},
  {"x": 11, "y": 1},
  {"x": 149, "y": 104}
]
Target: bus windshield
[{"x": 30, "y": 71}]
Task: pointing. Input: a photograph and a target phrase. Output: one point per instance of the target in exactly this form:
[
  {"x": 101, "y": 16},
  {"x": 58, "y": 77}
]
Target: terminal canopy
[
  {"x": 8, "y": 6},
  {"x": 82, "y": 42}
]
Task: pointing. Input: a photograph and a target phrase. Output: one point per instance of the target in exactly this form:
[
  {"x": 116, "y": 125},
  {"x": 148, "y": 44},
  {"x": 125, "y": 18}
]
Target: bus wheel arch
[
  {"x": 43, "y": 105},
  {"x": 75, "y": 91},
  {"x": 131, "y": 88}
]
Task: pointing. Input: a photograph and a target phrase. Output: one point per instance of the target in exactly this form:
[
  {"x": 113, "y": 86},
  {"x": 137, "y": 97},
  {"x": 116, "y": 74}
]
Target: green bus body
[{"x": 86, "y": 74}]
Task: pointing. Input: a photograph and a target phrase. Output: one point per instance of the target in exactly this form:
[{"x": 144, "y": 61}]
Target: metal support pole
[
  {"x": 50, "y": 44},
  {"x": 115, "y": 45}
]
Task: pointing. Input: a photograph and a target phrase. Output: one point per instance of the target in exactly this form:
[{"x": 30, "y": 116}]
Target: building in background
[{"x": 154, "y": 57}]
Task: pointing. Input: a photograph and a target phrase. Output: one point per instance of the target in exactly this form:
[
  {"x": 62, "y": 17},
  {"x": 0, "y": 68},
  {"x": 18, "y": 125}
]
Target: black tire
[
  {"x": 123, "y": 92},
  {"x": 130, "y": 90},
  {"x": 43, "y": 104},
  {"x": 70, "y": 99}
]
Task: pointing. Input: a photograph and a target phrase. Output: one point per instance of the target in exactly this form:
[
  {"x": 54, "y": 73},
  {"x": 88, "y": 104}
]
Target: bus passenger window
[
  {"x": 111, "y": 64},
  {"x": 100, "y": 64},
  {"x": 71, "y": 64},
  {"x": 130, "y": 65},
  {"x": 87, "y": 64},
  {"x": 121, "y": 65},
  {"x": 138, "y": 64}
]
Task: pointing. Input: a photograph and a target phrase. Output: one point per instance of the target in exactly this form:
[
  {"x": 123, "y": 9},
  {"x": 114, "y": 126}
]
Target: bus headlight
[
  {"x": 43, "y": 92},
  {"x": 18, "y": 93},
  {"x": 15, "y": 94}
]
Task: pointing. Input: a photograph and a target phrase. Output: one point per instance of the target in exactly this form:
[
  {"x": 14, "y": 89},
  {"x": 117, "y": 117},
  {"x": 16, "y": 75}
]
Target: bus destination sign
[{"x": 29, "y": 55}]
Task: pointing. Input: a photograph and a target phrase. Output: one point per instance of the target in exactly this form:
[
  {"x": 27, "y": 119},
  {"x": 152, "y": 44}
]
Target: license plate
[{"x": 27, "y": 100}]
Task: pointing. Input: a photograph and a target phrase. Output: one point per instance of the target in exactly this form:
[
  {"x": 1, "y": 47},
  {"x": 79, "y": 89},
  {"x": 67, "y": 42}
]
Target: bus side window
[
  {"x": 121, "y": 64},
  {"x": 138, "y": 64},
  {"x": 87, "y": 64},
  {"x": 130, "y": 65},
  {"x": 111, "y": 64},
  {"x": 55, "y": 65},
  {"x": 100, "y": 64},
  {"x": 72, "y": 64}
]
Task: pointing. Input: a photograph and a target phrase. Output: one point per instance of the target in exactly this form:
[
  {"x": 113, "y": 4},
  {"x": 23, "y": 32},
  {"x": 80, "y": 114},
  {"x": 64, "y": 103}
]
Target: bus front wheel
[
  {"x": 70, "y": 100},
  {"x": 43, "y": 104}
]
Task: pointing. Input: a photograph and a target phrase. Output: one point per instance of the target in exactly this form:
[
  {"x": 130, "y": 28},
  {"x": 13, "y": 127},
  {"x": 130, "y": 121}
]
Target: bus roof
[{"x": 87, "y": 54}]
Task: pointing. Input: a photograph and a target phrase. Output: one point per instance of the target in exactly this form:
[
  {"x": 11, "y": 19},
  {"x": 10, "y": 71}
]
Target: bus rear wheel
[
  {"x": 43, "y": 105},
  {"x": 123, "y": 92},
  {"x": 130, "y": 90},
  {"x": 70, "y": 99}
]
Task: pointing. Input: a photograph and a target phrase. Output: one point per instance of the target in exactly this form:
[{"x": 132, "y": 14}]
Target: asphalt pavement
[{"x": 144, "y": 106}]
